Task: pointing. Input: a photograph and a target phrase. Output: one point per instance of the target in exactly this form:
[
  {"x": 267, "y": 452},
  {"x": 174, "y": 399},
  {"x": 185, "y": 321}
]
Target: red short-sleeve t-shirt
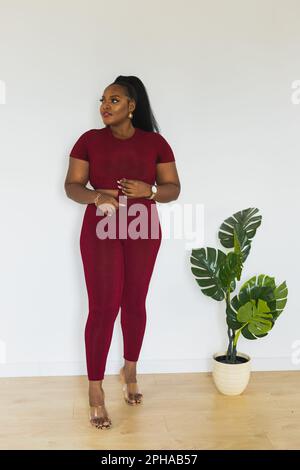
[{"x": 111, "y": 158}]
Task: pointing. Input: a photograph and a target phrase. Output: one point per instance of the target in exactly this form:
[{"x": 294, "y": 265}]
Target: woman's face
[{"x": 116, "y": 104}]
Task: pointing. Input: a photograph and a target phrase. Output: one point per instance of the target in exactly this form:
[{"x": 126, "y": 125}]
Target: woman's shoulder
[
  {"x": 91, "y": 133},
  {"x": 96, "y": 131},
  {"x": 162, "y": 146}
]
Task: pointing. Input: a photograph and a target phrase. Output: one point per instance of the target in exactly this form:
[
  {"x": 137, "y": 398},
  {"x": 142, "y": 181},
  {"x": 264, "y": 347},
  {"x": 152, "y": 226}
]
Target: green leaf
[
  {"x": 238, "y": 252},
  {"x": 275, "y": 296},
  {"x": 281, "y": 293},
  {"x": 244, "y": 223},
  {"x": 260, "y": 280},
  {"x": 231, "y": 318},
  {"x": 256, "y": 315},
  {"x": 207, "y": 264},
  {"x": 246, "y": 333},
  {"x": 256, "y": 307},
  {"x": 229, "y": 270},
  {"x": 245, "y": 312}
]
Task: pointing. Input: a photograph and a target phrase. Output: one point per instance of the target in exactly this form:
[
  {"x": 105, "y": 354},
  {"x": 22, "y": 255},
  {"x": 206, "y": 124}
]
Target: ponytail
[{"x": 143, "y": 116}]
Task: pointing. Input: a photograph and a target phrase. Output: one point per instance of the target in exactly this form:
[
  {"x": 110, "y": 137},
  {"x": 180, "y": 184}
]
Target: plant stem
[
  {"x": 237, "y": 334},
  {"x": 229, "y": 349},
  {"x": 233, "y": 357},
  {"x": 230, "y": 333}
]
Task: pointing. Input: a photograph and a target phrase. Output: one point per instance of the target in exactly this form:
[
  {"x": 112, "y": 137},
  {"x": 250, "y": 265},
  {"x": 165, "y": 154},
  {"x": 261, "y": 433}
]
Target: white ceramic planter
[{"x": 231, "y": 379}]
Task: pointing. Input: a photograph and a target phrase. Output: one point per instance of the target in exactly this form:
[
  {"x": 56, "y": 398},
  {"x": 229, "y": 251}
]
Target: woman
[{"x": 122, "y": 161}]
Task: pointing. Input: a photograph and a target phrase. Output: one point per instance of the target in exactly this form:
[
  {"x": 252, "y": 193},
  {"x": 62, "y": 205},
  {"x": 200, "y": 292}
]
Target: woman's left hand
[{"x": 134, "y": 188}]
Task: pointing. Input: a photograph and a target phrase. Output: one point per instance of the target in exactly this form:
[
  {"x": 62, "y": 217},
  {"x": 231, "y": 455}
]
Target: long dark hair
[{"x": 143, "y": 116}]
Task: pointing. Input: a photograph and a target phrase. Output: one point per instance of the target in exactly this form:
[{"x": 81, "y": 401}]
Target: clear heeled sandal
[
  {"x": 96, "y": 417},
  {"x": 130, "y": 398}
]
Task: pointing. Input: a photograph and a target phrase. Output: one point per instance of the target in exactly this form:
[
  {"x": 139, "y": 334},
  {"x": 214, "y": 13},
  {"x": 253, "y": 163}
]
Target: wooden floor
[{"x": 180, "y": 411}]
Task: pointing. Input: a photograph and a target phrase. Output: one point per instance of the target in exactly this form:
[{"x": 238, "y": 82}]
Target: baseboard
[{"x": 145, "y": 366}]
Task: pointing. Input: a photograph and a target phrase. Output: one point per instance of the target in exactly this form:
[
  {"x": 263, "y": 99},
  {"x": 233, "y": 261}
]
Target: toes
[
  {"x": 138, "y": 397},
  {"x": 100, "y": 423},
  {"x": 95, "y": 422},
  {"x": 135, "y": 398},
  {"x": 134, "y": 402},
  {"x": 131, "y": 398},
  {"x": 103, "y": 425},
  {"x": 106, "y": 426},
  {"x": 131, "y": 401}
]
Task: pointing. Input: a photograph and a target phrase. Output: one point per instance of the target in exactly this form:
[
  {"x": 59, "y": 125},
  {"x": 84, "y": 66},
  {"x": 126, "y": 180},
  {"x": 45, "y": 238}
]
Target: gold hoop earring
[{"x": 130, "y": 115}]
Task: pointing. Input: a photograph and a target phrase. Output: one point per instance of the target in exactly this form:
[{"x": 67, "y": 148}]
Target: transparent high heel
[
  {"x": 130, "y": 398},
  {"x": 98, "y": 416}
]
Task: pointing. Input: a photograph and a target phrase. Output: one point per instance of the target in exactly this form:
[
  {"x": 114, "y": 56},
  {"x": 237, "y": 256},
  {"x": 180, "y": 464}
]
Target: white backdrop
[{"x": 219, "y": 76}]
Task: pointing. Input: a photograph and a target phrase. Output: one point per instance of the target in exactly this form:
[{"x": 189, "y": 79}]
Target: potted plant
[{"x": 252, "y": 312}]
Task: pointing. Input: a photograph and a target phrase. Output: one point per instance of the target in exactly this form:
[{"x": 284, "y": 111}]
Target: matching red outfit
[{"x": 118, "y": 268}]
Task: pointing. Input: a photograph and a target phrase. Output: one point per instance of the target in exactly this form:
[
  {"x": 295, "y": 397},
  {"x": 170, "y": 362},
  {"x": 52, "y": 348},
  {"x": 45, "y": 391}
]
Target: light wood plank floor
[{"x": 180, "y": 411}]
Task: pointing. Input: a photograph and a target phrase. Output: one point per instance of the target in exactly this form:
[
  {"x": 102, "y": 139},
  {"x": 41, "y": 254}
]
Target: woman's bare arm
[
  {"x": 75, "y": 186},
  {"x": 168, "y": 184},
  {"x": 76, "y": 181}
]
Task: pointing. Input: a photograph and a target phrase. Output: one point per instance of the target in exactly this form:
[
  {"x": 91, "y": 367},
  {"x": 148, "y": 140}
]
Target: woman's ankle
[
  {"x": 129, "y": 374},
  {"x": 96, "y": 395}
]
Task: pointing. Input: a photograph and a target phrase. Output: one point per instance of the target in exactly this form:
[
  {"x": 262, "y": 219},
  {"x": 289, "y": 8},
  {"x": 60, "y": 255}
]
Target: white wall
[{"x": 219, "y": 76}]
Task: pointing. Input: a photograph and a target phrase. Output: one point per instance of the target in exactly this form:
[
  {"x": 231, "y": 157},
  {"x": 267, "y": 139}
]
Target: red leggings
[{"x": 117, "y": 274}]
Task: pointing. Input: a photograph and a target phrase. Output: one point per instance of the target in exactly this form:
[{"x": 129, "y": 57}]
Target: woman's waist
[
  {"x": 121, "y": 197},
  {"x": 125, "y": 203},
  {"x": 108, "y": 188}
]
